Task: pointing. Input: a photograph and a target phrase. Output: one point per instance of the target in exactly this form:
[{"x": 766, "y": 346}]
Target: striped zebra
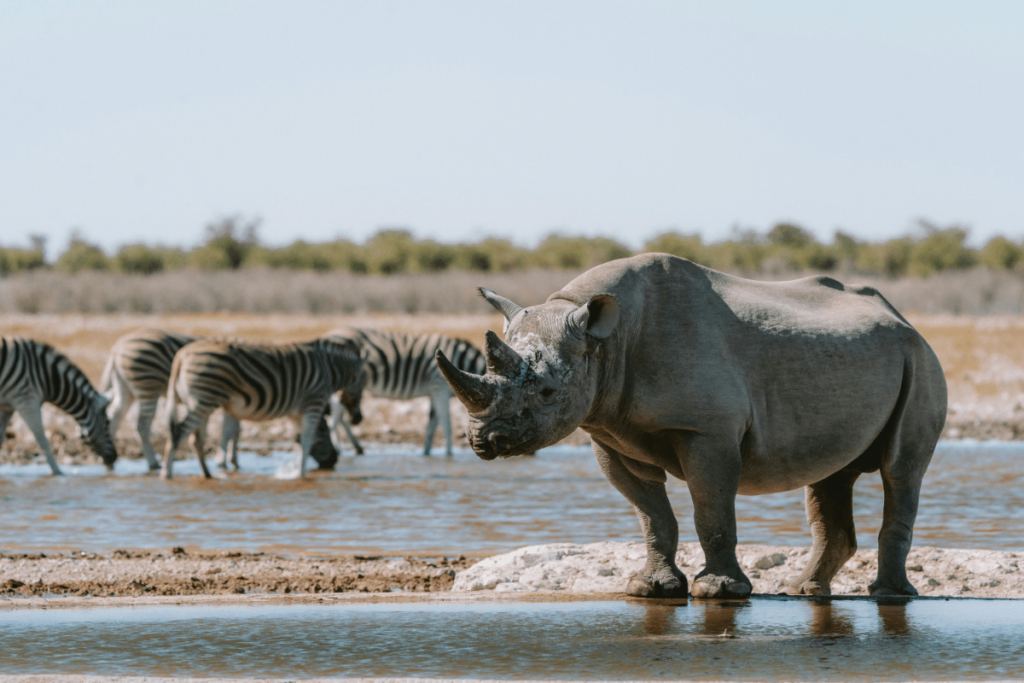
[
  {"x": 260, "y": 382},
  {"x": 402, "y": 366},
  {"x": 33, "y": 373},
  {"x": 138, "y": 369}
]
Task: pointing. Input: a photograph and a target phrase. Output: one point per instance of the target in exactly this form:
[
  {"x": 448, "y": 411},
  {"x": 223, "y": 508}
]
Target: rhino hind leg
[
  {"x": 660, "y": 577},
  {"x": 913, "y": 431},
  {"x": 829, "y": 505}
]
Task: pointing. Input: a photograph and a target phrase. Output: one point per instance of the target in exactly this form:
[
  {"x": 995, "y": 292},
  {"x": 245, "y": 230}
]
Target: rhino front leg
[
  {"x": 660, "y": 577},
  {"x": 829, "y": 505},
  {"x": 713, "y": 477}
]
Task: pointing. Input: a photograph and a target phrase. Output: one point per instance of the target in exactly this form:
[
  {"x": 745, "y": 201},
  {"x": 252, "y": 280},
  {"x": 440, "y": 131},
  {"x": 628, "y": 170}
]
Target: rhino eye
[{"x": 547, "y": 392}]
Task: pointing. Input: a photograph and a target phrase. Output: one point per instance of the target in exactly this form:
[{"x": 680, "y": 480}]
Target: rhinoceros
[{"x": 732, "y": 385}]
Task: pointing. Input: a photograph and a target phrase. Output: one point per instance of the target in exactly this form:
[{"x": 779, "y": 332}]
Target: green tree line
[{"x": 233, "y": 243}]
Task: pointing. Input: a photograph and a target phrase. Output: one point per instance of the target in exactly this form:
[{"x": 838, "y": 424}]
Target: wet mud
[{"x": 127, "y": 573}]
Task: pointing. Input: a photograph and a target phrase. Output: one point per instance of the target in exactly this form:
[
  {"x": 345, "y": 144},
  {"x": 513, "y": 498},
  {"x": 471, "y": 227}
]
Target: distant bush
[
  {"x": 228, "y": 242},
  {"x": 20, "y": 260},
  {"x": 142, "y": 259},
  {"x": 566, "y": 253},
  {"x": 82, "y": 255},
  {"x": 1001, "y": 254},
  {"x": 232, "y": 243}
]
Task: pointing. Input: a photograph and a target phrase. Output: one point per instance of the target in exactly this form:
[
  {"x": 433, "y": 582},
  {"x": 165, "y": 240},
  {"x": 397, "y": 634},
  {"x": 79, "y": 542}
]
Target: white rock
[{"x": 769, "y": 561}]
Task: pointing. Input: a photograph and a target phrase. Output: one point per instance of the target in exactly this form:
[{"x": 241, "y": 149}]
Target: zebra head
[
  {"x": 543, "y": 383},
  {"x": 94, "y": 431}
]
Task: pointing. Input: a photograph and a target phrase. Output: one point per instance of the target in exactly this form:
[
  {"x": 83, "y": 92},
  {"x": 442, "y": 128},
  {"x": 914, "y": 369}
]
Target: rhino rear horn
[
  {"x": 507, "y": 308},
  {"x": 475, "y": 392},
  {"x": 502, "y": 358}
]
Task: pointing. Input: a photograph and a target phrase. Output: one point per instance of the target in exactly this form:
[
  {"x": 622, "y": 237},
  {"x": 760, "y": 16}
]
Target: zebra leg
[
  {"x": 147, "y": 411},
  {"x": 33, "y": 417},
  {"x": 338, "y": 418},
  {"x": 119, "y": 404},
  {"x": 444, "y": 416},
  {"x": 229, "y": 431},
  {"x": 428, "y": 442},
  {"x": 5, "y": 419},
  {"x": 179, "y": 432},
  {"x": 199, "y": 446},
  {"x": 310, "y": 421}
]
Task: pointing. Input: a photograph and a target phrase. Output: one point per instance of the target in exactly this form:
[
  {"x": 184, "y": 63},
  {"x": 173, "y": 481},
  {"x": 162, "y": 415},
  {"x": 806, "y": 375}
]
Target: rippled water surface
[
  {"x": 399, "y": 502},
  {"x": 771, "y": 639}
]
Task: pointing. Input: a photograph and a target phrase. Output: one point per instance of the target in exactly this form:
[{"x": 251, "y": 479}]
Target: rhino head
[{"x": 541, "y": 385}]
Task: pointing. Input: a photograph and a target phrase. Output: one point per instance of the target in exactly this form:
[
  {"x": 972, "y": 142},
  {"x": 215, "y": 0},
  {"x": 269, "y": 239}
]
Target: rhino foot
[
  {"x": 809, "y": 587},
  {"x": 904, "y": 589},
  {"x": 663, "y": 585},
  {"x": 711, "y": 586}
]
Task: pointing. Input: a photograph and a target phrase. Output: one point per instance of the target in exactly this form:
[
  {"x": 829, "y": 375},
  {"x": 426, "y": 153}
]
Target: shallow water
[
  {"x": 772, "y": 639},
  {"x": 399, "y": 502}
]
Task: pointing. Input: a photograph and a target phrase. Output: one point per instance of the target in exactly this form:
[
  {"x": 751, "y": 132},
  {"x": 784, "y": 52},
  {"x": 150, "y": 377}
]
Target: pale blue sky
[{"x": 145, "y": 120}]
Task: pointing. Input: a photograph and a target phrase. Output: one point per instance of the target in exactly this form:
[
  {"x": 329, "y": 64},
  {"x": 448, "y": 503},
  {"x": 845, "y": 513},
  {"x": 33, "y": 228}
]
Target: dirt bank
[
  {"x": 126, "y": 573},
  {"x": 597, "y": 568}
]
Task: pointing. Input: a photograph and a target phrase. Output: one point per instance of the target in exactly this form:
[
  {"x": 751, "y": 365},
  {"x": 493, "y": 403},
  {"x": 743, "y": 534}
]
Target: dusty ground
[
  {"x": 175, "y": 572},
  {"x": 983, "y": 358},
  {"x": 597, "y": 568}
]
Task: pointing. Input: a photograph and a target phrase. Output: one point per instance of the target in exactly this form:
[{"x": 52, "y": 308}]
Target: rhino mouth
[{"x": 497, "y": 445}]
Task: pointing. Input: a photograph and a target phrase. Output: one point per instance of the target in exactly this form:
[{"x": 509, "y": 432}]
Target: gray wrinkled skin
[{"x": 736, "y": 387}]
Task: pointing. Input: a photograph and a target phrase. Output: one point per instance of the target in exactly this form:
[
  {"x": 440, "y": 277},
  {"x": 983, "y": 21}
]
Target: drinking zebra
[
  {"x": 260, "y": 382},
  {"x": 138, "y": 369},
  {"x": 402, "y": 366},
  {"x": 33, "y": 373}
]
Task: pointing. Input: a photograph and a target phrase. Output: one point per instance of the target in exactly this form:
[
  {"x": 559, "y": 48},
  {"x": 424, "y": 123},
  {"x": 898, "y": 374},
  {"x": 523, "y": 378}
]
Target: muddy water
[
  {"x": 764, "y": 639},
  {"x": 399, "y": 502}
]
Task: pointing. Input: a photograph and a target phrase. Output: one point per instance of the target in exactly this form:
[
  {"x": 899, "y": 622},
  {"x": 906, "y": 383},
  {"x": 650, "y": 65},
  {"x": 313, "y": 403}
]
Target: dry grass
[
  {"x": 268, "y": 291},
  {"x": 970, "y": 292}
]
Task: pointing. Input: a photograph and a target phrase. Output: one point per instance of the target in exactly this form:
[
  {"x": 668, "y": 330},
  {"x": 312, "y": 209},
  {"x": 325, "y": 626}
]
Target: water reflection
[
  {"x": 828, "y": 620},
  {"x": 892, "y": 612},
  {"x": 775, "y": 639}
]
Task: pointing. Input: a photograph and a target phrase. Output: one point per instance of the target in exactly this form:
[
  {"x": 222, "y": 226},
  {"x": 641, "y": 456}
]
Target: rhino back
[{"x": 793, "y": 369}]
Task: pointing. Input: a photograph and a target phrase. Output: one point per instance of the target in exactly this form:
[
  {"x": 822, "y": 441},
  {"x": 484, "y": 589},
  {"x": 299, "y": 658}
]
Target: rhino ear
[
  {"x": 598, "y": 317},
  {"x": 507, "y": 308}
]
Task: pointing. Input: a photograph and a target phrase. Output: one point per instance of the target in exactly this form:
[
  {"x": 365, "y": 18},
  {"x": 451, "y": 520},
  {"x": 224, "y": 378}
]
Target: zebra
[
  {"x": 260, "y": 382},
  {"x": 138, "y": 369},
  {"x": 33, "y": 373},
  {"x": 402, "y": 366}
]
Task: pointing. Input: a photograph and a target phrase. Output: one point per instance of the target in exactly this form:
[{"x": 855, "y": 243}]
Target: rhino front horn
[
  {"x": 474, "y": 391},
  {"x": 501, "y": 358}
]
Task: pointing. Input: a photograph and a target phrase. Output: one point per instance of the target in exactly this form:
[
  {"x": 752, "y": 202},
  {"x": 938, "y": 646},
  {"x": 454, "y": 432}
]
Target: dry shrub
[{"x": 266, "y": 291}]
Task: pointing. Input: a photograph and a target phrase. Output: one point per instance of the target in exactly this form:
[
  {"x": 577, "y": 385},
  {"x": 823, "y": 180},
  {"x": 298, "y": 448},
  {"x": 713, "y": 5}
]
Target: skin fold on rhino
[{"x": 732, "y": 385}]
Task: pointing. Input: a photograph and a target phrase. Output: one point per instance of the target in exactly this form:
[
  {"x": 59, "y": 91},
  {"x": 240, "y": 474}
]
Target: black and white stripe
[
  {"x": 402, "y": 366},
  {"x": 33, "y": 373},
  {"x": 260, "y": 382},
  {"x": 137, "y": 370}
]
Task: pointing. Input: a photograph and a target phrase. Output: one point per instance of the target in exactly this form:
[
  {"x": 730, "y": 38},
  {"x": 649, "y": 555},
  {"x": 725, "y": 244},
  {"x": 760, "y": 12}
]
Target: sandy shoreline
[{"x": 557, "y": 569}]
